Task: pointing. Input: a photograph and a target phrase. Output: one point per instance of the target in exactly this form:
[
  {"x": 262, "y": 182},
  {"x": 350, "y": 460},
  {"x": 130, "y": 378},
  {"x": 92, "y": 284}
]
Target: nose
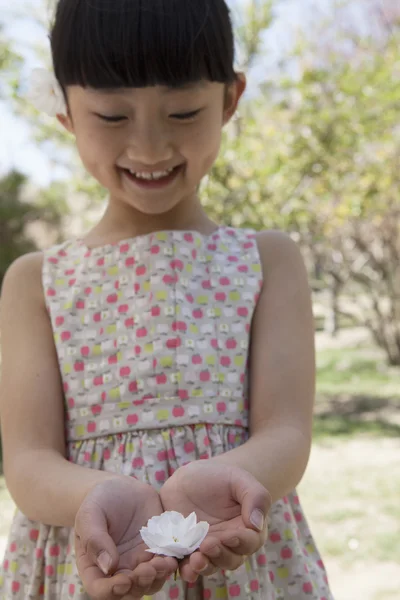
[{"x": 149, "y": 145}]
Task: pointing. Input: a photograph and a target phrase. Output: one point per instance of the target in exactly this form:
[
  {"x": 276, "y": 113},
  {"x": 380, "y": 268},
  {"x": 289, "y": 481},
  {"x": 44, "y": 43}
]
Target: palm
[
  {"x": 111, "y": 517},
  {"x": 205, "y": 490}
]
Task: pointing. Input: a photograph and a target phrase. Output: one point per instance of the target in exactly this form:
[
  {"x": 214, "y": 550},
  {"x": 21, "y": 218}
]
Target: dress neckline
[{"x": 178, "y": 234}]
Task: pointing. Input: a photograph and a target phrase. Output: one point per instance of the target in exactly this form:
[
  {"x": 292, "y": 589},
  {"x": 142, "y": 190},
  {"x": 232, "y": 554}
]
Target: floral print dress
[{"x": 152, "y": 337}]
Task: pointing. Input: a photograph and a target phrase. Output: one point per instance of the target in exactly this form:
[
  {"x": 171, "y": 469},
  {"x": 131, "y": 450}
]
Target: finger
[
  {"x": 253, "y": 497},
  {"x": 96, "y": 584},
  {"x": 91, "y": 529},
  {"x": 149, "y": 578},
  {"x": 244, "y": 541},
  {"x": 220, "y": 556}
]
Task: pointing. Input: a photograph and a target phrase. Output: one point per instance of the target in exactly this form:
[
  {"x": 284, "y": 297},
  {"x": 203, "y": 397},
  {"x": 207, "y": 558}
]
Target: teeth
[{"x": 151, "y": 176}]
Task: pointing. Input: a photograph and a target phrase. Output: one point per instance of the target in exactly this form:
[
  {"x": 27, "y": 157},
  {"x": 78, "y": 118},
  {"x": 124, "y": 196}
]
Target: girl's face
[{"x": 127, "y": 136}]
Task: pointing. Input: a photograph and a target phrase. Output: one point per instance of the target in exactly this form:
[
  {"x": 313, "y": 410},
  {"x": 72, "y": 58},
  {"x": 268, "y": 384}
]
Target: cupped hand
[
  {"x": 232, "y": 501},
  {"x": 110, "y": 553}
]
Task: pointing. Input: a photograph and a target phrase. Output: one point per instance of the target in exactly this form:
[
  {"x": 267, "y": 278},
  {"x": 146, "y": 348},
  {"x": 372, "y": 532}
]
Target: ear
[
  {"x": 66, "y": 122},
  {"x": 233, "y": 94}
]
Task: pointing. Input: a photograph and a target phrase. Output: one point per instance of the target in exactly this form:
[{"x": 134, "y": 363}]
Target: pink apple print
[
  {"x": 212, "y": 247},
  {"x": 262, "y": 560},
  {"x": 71, "y": 589},
  {"x": 130, "y": 261},
  {"x": 155, "y": 311},
  {"x": 287, "y": 517},
  {"x": 171, "y": 454},
  {"x": 129, "y": 323},
  {"x": 161, "y": 379},
  {"x": 125, "y": 371},
  {"x": 221, "y": 408},
  {"x": 196, "y": 359},
  {"x": 96, "y": 410},
  {"x": 155, "y": 249},
  {"x": 179, "y": 326},
  {"x": 234, "y": 590},
  {"x": 161, "y": 476},
  {"x": 88, "y": 291},
  {"x": 138, "y": 350},
  {"x": 214, "y": 343},
  {"x": 188, "y": 237},
  {"x": 136, "y": 287},
  {"x": 162, "y": 455},
  {"x": 174, "y": 343},
  {"x": 59, "y": 321},
  {"x": 275, "y": 537},
  {"x": 321, "y": 564},
  {"x": 98, "y": 380},
  {"x": 249, "y": 245},
  {"x": 254, "y": 585},
  {"x": 189, "y": 447},
  {"x": 220, "y": 297},
  {"x": 224, "y": 281},
  {"x": 198, "y": 313},
  {"x": 55, "y": 550},
  {"x": 39, "y": 553},
  {"x": 174, "y": 592},
  {"x": 206, "y": 285},
  {"x": 123, "y": 309},
  {"x": 141, "y": 332},
  {"x": 298, "y": 516},
  {"x": 233, "y": 259},
  {"x": 6, "y": 564},
  {"x": 225, "y": 361},
  {"x": 34, "y": 534},
  {"x": 91, "y": 427},
  {"x": 71, "y": 402},
  {"x": 140, "y": 271},
  {"x": 79, "y": 366},
  {"x": 15, "y": 587},
  {"x": 100, "y": 262},
  {"x": 231, "y": 344},
  {"x": 205, "y": 376},
  {"x": 66, "y": 336},
  {"x": 243, "y": 268},
  {"x": 189, "y": 298},
  {"x": 138, "y": 462},
  {"x": 177, "y": 265},
  {"x": 206, "y": 594},
  {"x": 80, "y": 305},
  {"x": 49, "y": 571},
  {"x": 13, "y": 547},
  {"x": 286, "y": 553},
  {"x": 243, "y": 311},
  {"x": 132, "y": 419},
  {"x": 178, "y": 411},
  {"x": 97, "y": 317},
  {"x": 183, "y": 394},
  {"x": 112, "y": 360},
  {"x": 307, "y": 587},
  {"x": 85, "y": 350}
]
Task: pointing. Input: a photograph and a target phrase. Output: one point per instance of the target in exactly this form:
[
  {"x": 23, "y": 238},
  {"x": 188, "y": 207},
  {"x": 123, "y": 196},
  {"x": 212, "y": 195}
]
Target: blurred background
[{"x": 314, "y": 152}]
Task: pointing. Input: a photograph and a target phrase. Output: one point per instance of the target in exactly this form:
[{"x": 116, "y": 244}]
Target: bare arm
[
  {"x": 45, "y": 486},
  {"x": 282, "y": 372}
]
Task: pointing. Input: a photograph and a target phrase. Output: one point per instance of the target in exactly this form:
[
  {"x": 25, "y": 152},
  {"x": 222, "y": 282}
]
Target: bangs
[{"x": 108, "y": 44}]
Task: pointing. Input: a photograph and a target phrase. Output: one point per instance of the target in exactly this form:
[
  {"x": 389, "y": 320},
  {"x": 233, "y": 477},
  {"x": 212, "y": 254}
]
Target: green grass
[{"x": 357, "y": 371}]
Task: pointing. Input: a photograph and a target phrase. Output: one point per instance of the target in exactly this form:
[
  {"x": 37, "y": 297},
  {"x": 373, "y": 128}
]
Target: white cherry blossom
[
  {"x": 45, "y": 93},
  {"x": 170, "y": 534}
]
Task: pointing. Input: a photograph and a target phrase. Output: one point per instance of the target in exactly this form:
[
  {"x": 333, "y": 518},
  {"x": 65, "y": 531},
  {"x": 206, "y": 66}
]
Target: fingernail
[
  {"x": 104, "y": 561},
  {"x": 203, "y": 568},
  {"x": 121, "y": 589},
  {"x": 257, "y": 519},
  {"x": 145, "y": 582}
]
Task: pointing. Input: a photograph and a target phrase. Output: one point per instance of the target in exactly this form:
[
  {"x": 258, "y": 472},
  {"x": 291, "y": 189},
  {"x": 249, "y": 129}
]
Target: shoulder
[
  {"x": 23, "y": 279},
  {"x": 279, "y": 254}
]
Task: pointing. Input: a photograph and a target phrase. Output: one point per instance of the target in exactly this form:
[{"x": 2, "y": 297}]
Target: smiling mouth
[{"x": 153, "y": 181}]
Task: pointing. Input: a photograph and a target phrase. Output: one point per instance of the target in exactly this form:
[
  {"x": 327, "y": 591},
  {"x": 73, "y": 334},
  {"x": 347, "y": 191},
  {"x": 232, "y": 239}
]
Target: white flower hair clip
[
  {"x": 45, "y": 93},
  {"x": 170, "y": 534}
]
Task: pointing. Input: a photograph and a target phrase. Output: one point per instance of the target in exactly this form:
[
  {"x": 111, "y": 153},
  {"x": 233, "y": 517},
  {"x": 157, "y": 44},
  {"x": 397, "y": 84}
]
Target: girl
[{"x": 157, "y": 340}]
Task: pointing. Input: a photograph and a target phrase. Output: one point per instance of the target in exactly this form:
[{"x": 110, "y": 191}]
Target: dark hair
[{"x": 107, "y": 44}]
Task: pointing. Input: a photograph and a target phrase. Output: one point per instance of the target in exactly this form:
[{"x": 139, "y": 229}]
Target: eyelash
[{"x": 179, "y": 117}]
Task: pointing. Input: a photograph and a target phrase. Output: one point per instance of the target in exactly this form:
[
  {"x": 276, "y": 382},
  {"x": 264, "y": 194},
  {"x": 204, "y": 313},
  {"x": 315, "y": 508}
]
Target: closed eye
[
  {"x": 112, "y": 119},
  {"x": 186, "y": 116}
]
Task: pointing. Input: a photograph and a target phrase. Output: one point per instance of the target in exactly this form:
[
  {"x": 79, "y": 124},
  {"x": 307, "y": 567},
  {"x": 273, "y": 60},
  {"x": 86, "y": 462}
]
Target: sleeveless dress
[{"x": 152, "y": 337}]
